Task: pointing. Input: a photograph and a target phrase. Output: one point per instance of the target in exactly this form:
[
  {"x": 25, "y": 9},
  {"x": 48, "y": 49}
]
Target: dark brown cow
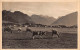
[
  {"x": 7, "y": 29},
  {"x": 54, "y": 32}
]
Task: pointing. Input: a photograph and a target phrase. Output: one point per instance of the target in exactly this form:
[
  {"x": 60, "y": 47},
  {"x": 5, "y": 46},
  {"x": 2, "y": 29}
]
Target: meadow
[{"x": 23, "y": 40}]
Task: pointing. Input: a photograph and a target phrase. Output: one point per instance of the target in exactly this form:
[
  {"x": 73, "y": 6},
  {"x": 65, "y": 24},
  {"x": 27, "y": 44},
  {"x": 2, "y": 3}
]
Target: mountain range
[{"x": 19, "y": 17}]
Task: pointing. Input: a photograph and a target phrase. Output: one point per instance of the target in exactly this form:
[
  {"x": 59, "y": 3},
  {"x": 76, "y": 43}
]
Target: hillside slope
[
  {"x": 68, "y": 20},
  {"x": 40, "y": 19},
  {"x": 16, "y": 17}
]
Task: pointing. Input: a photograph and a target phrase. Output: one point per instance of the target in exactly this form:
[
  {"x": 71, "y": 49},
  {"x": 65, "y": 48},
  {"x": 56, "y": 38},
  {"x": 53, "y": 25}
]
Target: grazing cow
[
  {"x": 55, "y": 32},
  {"x": 40, "y": 33},
  {"x": 7, "y": 29},
  {"x": 28, "y": 30},
  {"x": 19, "y": 29}
]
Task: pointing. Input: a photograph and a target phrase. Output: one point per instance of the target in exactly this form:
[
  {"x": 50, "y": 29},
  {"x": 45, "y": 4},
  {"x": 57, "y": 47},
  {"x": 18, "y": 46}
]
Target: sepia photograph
[{"x": 39, "y": 25}]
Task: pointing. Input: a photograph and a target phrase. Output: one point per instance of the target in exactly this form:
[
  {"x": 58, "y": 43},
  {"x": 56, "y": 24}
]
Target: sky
[{"x": 51, "y": 9}]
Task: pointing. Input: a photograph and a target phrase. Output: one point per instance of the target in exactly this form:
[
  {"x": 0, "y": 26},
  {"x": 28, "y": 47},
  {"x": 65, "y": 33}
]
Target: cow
[
  {"x": 40, "y": 33},
  {"x": 55, "y": 32},
  {"x": 19, "y": 29},
  {"x": 28, "y": 30},
  {"x": 7, "y": 29}
]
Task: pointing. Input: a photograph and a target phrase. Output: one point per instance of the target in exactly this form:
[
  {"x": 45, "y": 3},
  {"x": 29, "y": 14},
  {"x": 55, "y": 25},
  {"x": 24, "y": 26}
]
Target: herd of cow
[{"x": 40, "y": 33}]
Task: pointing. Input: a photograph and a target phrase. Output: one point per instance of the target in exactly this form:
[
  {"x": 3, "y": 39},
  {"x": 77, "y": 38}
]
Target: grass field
[{"x": 67, "y": 39}]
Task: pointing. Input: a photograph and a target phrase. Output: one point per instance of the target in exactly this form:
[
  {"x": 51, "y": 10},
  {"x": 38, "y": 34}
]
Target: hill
[
  {"x": 40, "y": 19},
  {"x": 68, "y": 20},
  {"x": 16, "y": 17}
]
